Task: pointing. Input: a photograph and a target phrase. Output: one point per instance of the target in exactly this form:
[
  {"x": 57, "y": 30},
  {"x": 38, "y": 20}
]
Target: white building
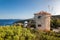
[{"x": 42, "y": 20}]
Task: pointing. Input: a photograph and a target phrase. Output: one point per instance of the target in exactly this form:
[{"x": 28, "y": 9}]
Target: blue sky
[{"x": 24, "y": 9}]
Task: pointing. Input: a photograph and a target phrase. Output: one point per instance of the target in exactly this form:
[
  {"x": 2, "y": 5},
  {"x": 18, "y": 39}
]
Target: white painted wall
[{"x": 44, "y": 21}]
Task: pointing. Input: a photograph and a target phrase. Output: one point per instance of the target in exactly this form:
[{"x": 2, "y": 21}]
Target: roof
[{"x": 42, "y": 13}]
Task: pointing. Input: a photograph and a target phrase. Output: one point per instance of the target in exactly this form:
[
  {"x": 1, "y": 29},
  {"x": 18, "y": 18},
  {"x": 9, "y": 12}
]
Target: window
[
  {"x": 39, "y": 25},
  {"x": 39, "y": 17}
]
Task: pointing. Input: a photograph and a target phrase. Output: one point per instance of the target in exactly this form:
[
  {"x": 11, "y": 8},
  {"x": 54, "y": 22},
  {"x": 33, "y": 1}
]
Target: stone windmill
[{"x": 42, "y": 20}]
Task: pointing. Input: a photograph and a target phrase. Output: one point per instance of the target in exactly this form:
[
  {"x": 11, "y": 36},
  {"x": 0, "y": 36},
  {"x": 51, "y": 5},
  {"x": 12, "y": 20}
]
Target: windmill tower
[{"x": 42, "y": 20}]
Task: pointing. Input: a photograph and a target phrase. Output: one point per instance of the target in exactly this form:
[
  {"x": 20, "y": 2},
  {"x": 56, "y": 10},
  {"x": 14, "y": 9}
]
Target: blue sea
[{"x": 7, "y": 21}]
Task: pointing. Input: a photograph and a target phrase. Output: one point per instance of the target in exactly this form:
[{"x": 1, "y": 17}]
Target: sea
[{"x": 8, "y": 21}]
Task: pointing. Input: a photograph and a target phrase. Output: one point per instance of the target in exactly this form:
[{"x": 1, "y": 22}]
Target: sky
[{"x": 25, "y": 9}]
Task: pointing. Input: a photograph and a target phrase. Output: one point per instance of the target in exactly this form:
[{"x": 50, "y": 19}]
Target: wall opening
[
  {"x": 39, "y": 17},
  {"x": 39, "y": 25}
]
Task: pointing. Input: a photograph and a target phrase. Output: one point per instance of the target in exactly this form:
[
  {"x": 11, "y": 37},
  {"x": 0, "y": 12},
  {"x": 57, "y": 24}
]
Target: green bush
[
  {"x": 55, "y": 23},
  {"x": 19, "y": 33}
]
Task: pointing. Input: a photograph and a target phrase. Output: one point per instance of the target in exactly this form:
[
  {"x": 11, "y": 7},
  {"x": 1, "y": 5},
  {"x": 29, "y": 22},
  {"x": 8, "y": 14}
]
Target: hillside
[{"x": 55, "y": 16}]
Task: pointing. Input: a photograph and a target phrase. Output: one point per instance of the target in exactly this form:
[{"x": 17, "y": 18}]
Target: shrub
[{"x": 20, "y": 33}]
